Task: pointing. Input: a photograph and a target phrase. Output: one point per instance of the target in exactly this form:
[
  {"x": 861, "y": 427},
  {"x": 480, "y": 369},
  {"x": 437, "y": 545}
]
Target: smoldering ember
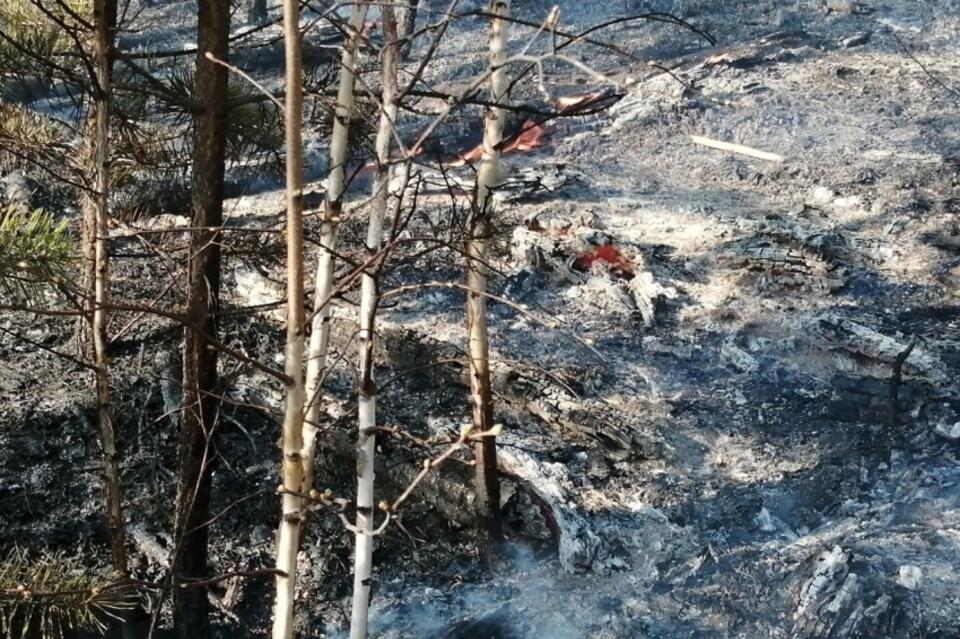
[{"x": 479, "y": 319}]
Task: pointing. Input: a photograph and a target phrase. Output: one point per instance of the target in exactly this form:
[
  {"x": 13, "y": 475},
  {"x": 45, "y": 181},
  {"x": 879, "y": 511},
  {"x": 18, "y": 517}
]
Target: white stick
[{"x": 737, "y": 148}]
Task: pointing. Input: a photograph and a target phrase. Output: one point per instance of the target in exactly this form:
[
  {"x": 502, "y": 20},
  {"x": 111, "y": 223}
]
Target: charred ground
[{"x": 739, "y": 452}]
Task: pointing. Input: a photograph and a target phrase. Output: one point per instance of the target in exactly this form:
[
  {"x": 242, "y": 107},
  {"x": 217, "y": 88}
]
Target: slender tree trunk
[
  {"x": 96, "y": 231},
  {"x": 488, "y": 177},
  {"x": 104, "y": 16},
  {"x": 191, "y": 608},
  {"x": 320, "y": 326},
  {"x": 369, "y": 298},
  {"x": 288, "y": 539}
]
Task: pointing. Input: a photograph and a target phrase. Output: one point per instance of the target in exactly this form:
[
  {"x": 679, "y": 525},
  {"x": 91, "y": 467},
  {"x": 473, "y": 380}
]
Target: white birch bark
[
  {"x": 288, "y": 538},
  {"x": 367, "y": 390},
  {"x": 320, "y": 326}
]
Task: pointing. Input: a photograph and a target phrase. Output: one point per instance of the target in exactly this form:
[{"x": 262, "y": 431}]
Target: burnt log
[
  {"x": 448, "y": 490},
  {"x": 846, "y": 595},
  {"x": 871, "y": 400},
  {"x": 835, "y": 333},
  {"x": 621, "y": 432},
  {"x": 787, "y": 254}
]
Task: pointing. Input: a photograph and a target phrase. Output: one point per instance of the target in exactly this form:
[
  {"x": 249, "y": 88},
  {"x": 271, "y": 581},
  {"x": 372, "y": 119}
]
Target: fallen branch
[{"x": 737, "y": 148}]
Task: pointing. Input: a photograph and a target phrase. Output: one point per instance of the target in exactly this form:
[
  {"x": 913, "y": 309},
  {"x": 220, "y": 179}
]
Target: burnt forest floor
[{"x": 707, "y": 429}]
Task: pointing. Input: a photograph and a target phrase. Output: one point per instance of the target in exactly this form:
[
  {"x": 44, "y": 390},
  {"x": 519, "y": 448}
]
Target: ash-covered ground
[{"x": 739, "y": 418}]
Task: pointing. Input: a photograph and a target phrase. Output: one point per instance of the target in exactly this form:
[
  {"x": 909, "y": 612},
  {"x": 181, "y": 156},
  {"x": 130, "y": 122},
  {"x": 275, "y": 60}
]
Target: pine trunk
[
  {"x": 477, "y": 248},
  {"x": 288, "y": 538},
  {"x": 367, "y": 389},
  {"x": 201, "y": 407},
  {"x": 323, "y": 289},
  {"x": 104, "y": 16},
  {"x": 96, "y": 232}
]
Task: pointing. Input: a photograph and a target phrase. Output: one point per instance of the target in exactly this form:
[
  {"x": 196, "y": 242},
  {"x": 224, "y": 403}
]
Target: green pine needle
[
  {"x": 51, "y": 595},
  {"x": 32, "y": 36},
  {"x": 35, "y": 251}
]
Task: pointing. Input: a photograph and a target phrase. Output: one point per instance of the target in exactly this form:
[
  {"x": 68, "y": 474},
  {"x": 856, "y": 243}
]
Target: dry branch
[{"x": 737, "y": 148}]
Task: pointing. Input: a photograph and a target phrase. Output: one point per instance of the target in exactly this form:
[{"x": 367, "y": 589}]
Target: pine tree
[{"x": 201, "y": 406}]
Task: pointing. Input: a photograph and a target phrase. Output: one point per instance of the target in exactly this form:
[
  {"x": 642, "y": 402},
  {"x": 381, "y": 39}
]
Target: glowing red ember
[
  {"x": 532, "y": 134},
  {"x": 607, "y": 254},
  {"x": 530, "y": 137},
  {"x": 568, "y": 103}
]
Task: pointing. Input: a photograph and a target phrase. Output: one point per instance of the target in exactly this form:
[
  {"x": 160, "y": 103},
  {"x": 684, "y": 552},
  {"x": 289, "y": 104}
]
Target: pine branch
[
  {"x": 35, "y": 250},
  {"x": 52, "y": 596}
]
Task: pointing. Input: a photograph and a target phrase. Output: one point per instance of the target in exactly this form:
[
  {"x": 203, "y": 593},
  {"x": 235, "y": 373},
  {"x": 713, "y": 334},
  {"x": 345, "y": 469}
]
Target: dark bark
[
  {"x": 97, "y": 274},
  {"x": 95, "y": 214},
  {"x": 485, "y": 450},
  {"x": 487, "y": 473},
  {"x": 198, "y": 427}
]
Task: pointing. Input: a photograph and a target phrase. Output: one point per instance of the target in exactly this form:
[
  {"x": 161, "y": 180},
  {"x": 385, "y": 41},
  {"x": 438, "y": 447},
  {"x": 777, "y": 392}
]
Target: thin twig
[{"x": 246, "y": 76}]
